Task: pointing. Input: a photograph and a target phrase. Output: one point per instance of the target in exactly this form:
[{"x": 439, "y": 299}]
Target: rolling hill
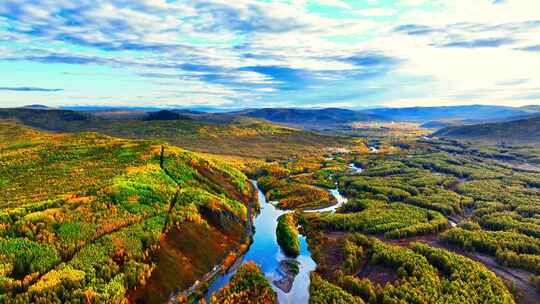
[
  {"x": 335, "y": 118},
  {"x": 239, "y": 136},
  {"x": 164, "y": 115},
  {"x": 311, "y": 118},
  {"x": 517, "y": 130}
]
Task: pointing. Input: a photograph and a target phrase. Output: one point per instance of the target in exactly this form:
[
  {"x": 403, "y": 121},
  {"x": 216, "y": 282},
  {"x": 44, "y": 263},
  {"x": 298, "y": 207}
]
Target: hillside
[
  {"x": 311, "y": 118},
  {"x": 240, "y": 136},
  {"x": 517, "y": 130},
  {"x": 425, "y": 114},
  {"x": 164, "y": 115},
  {"x": 435, "y": 124},
  {"x": 88, "y": 217}
]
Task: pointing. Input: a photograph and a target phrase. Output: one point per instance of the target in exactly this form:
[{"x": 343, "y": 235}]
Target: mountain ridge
[{"x": 516, "y": 130}]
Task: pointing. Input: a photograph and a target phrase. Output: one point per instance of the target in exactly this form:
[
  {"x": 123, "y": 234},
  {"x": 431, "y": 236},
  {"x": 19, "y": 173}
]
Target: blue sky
[{"x": 300, "y": 53}]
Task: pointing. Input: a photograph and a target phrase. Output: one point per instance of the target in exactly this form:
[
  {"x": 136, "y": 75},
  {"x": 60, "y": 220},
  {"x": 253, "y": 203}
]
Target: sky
[{"x": 269, "y": 53}]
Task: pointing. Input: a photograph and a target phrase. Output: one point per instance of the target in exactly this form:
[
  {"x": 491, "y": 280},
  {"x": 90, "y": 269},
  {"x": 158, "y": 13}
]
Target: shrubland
[{"x": 394, "y": 220}]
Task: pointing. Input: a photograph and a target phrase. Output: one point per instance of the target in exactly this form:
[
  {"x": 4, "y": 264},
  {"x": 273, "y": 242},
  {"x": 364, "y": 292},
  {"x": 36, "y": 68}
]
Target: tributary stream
[{"x": 266, "y": 252}]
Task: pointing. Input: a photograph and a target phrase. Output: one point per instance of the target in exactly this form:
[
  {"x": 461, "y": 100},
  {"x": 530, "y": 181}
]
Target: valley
[
  {"x": 269, "y": 152},
  {"x": 119, "y": 210}
]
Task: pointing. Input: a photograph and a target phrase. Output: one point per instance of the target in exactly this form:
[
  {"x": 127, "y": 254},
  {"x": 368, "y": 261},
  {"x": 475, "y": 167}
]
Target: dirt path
[{"x": 527, "y": 293}]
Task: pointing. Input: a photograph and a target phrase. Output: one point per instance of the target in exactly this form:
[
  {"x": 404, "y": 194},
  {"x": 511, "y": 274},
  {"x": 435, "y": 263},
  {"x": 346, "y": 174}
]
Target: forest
[
  {"x": 247, "y": 286},
  {"x": 92, "y": 218},
  {"x": 270, "y": 152},
  {"x": 287, "y": 234},
  {"x": 449, "y": 209},
  {"x": 84, "y": 215}
]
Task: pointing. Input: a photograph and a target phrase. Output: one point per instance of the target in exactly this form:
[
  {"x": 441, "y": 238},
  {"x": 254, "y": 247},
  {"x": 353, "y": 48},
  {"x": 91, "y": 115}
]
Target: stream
[{"x": 266, "y": 252}]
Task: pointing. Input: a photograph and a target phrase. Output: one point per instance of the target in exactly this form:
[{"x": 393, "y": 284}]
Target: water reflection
[{"x": 266, "y": 252}]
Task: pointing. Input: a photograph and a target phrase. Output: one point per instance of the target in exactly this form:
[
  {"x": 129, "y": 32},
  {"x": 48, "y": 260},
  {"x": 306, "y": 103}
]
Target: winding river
[{"x": 266, "y": 252}]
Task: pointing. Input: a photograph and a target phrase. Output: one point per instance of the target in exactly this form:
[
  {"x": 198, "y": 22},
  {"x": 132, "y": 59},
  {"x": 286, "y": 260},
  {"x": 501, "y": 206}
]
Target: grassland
[
  {"x": 389, "y": 130},
  {"x": 88, "y": 217}
]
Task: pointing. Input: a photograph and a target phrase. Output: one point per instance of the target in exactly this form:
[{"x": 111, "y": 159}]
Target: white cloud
[
  {"x": 413, "y": 2},
  {"x": 336, "y": 3},
  {"x": 376, "y": 12},
  {"x": 158, "y": 36},
  {"x": 465, "y": 74}
]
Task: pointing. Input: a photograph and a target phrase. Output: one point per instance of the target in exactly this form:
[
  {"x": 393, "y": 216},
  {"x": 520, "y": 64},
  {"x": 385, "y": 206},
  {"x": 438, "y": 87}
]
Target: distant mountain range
[
  {"x": 522, "y": 130},
  {"x": 531, "y": 108},
  {"x": 429, "y": 117},
  {"x": 435, "y": 117}
]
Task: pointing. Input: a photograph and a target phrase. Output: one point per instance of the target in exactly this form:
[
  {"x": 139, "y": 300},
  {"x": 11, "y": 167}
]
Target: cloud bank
[{"x": 249, "y": 53}]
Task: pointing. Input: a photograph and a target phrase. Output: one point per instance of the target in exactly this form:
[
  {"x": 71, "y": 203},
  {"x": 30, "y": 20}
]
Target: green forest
[
  {"x": 90, "y": 218},
  {"x": 270, "y": 152},
  {"x": 84, "y": 216}
]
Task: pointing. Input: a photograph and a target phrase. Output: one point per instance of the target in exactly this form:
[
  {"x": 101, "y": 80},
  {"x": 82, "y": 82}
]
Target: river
[{"x": 266, "y": 252}]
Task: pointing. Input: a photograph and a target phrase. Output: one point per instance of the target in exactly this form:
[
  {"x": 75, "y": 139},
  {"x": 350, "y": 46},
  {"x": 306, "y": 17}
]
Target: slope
[
  {"x": 241, "y": 136},
  {"x": 86, "y": 217},
  {"x": 311, "y": 118},
  {"x": 517, "y": 130}
]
